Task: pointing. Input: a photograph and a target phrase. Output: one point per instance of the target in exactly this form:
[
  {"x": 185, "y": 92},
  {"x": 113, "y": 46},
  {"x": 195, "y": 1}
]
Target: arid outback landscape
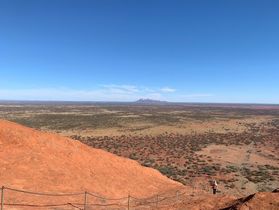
[{"x": 238, "y": 145}]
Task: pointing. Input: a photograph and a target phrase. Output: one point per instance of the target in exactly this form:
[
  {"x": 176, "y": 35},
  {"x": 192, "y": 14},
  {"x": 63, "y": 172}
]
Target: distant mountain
[{"x": 150, "y": 101}]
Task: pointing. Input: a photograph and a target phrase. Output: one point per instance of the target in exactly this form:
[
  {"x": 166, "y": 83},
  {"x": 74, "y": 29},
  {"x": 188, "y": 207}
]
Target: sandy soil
[
  {"x": 241, "y": 156},
  {"x": 184, "y": 127}
]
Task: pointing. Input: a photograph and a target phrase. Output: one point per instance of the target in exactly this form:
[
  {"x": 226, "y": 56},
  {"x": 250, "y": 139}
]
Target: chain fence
[{"x": 16, "y": 199}]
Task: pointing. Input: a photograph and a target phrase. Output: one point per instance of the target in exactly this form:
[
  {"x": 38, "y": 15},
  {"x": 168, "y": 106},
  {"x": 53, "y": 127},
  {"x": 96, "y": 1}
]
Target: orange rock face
[
  {"x": 45, "y": 162},
  {"x": 258, "y": 201}
]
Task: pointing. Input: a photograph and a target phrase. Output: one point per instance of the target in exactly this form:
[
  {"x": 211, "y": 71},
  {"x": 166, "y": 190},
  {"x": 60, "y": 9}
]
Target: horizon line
[{"x": 155, "y": 102}]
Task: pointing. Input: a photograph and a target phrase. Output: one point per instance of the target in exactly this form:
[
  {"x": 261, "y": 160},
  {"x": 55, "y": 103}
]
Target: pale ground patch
[
  {"x": 241, "y": 156},
  {"x": 129, "y": 116},
  {"x": 184, "y": 128},
  {"x": 238, "y": 155}
]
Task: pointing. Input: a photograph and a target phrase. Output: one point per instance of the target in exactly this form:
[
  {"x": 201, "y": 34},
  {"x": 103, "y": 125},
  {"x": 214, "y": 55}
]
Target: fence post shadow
[
  {"x": 2, "y": 197},
  {"x": 85, "y": 200}
]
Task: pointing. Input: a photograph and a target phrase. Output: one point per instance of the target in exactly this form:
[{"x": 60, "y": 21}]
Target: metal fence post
[
  {"x": 157, "y": 201},
  {"x": 2, "y": 198},
  {"x": 85, "y": 200},
  {"x": 129, "y": 202}
]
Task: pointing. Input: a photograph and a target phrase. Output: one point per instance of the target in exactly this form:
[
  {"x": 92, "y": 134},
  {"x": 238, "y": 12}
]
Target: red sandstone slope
[
  {"x": 258, "y": 201},
  {"x": 39, "y": 161}
]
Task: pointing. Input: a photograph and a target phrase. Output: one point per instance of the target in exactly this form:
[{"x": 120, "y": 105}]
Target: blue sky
[{"x": 116, "y": 50}]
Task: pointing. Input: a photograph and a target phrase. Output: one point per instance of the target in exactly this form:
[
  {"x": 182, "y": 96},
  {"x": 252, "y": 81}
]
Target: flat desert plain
[{"x": 238, "y": 145}]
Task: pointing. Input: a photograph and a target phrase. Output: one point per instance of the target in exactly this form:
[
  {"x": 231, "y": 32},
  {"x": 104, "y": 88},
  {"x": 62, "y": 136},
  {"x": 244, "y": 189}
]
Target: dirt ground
[{"x": 236, "y": 144}]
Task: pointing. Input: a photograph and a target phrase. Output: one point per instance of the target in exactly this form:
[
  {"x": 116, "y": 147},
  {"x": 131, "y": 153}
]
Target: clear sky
[{"x": 116, "y": 50}]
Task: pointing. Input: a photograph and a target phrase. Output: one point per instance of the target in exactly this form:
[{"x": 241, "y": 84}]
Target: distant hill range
[{"x": 150, "y": 101}]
